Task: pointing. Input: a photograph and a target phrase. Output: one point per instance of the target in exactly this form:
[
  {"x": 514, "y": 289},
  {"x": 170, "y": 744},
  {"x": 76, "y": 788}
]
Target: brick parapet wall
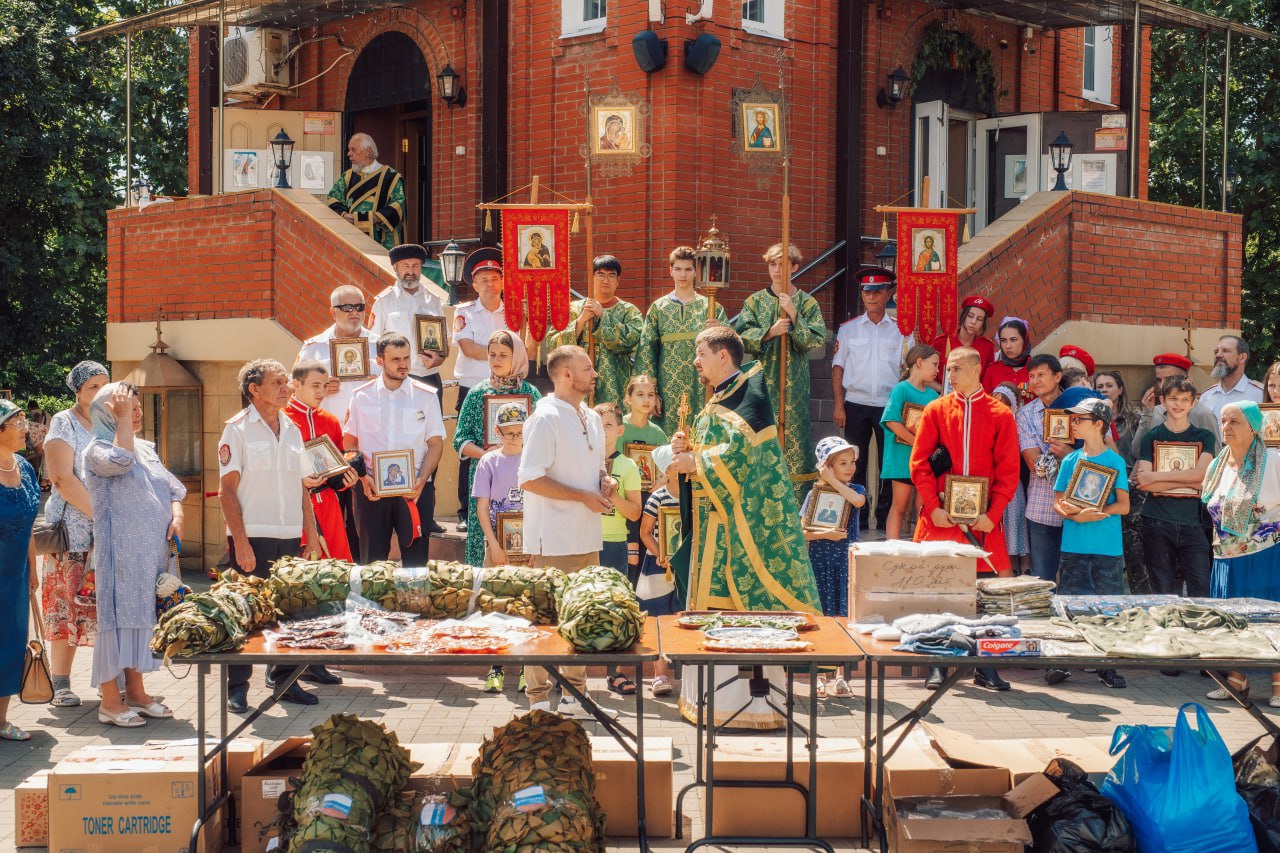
[
  {"x": 256, "y": 254},
  {"x": 1082, "y": 256}
]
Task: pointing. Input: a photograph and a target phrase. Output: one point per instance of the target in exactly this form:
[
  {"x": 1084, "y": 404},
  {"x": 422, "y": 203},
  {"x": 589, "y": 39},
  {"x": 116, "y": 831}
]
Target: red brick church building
[{"x": 666, "y": 114}]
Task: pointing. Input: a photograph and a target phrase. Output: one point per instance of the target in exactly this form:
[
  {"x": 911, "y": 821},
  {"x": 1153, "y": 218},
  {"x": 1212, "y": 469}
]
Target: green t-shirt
[
  {"x": 628, "y": 476},
  {"x": 1184, "y": 511},
  {"x": 648, "y": 434}
]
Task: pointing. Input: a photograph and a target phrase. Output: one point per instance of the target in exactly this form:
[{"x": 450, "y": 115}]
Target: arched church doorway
[{"x": 389, "y": 98}]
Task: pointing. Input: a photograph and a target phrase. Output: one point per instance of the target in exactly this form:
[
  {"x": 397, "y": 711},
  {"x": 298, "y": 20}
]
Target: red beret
[
  {"x": 1172, "y": 359},
  {"x": 1079, "y": 353},
  {"x": 978, "y": 302}
]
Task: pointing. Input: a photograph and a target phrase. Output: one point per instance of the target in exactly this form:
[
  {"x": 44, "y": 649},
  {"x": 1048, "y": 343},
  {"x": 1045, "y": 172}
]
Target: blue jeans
[
  {"x": 1046, "y": 549},
  {"x": 614, "y": 555},
  {"x": 1091, "y": 574}
]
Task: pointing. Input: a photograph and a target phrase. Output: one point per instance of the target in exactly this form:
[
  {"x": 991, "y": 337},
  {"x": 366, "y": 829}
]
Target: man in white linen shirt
[{"x": 566, "y": 490}]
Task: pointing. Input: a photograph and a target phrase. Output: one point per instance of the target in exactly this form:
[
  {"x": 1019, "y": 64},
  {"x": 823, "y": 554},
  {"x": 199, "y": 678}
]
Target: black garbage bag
[
  {"x": 1078, "y": 819},
  {"x": 1264, "y": 815}
]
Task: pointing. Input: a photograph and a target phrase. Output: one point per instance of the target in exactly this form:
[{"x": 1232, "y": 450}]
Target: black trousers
[
  {"x": 464, "y": 466},
  {"x": 379, "y": 520},
  {"x": 1170, "y": 547},
  {"x": 265, "y": 552},
  {"x": 860, "y": 423}
]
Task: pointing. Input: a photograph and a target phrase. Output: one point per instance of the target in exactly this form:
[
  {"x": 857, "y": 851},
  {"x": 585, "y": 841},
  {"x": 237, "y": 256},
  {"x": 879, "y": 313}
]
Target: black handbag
[{"x": 50, "y": 537}]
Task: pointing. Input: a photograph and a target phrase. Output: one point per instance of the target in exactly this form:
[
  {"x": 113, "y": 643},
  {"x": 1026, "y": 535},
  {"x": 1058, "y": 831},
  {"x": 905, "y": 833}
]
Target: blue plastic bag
[{"x": 1177, "y": 788}]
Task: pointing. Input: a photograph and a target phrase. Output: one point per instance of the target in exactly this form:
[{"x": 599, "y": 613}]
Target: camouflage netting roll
[
  {"x": 534, "y": 789},
  {"x": 445, "y": 590},
  {"x": 214, "y": 621},
  {"x": 353, "y": 772},
  {"x": 306, "y": 588},
  {"x": 599, "y": 611}
]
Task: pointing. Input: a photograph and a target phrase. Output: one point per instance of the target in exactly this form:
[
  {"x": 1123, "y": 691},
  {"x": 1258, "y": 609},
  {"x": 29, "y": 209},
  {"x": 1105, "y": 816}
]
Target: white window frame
[
  {"x": 572, "y": 22},
  {"x": 774, "y": 24},
  {"x": 1103, "y": 42}
]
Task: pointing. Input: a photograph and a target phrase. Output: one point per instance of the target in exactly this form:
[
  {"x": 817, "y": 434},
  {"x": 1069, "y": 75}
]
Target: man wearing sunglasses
[{"x": 347, "y": 308}]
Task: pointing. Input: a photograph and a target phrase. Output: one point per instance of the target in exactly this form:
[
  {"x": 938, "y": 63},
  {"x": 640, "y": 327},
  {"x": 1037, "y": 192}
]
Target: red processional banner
[
  {"x": 928, "y": 244},
  {"x": 535, "y": 268}
]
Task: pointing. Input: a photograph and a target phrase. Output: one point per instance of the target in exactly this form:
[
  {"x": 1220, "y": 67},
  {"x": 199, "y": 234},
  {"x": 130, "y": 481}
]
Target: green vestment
[
  {"x": 666, "y": 353},
  {"x": 746, "y": 551},
  {"x": 471, "y": 428},
  {"x": 376, "y": 200},
  {"x": 616, "y": 336},
  {"x": 809, "y": 332}
]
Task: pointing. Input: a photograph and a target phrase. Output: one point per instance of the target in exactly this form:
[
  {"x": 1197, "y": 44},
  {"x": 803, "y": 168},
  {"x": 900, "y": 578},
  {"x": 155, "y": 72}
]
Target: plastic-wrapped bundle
[
  {"x": 599, "y": 611},
  {"x": 214, "y": 621},
  {"x": 353, "y": 771},
  {"x": 535, "y": 789},
  {"x": 445, "y": 590},
  {"x": 441, "y": 824},
  {"x": 304, "y": 588}
]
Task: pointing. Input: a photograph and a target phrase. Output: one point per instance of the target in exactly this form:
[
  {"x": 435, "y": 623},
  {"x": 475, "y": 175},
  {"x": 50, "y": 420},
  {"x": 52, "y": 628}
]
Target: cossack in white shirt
[
  {"x": 403, "y": 419},
  {"x": 1216, "y": 397},
  {"x": 871, "y": 356},
  {"x": 567, "y": 446},
  {"x": 318, "y": 348},
  {"x": 395, "y": 310},
  {"x": 473, "y": 322},
  {"x": 270, "y": 468}
]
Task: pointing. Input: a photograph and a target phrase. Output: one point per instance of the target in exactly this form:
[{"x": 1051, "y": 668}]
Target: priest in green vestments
[
  {"x": 746, "y": 549},
  {"x": 614, "y": 326},
  {"x": 666, "y": 344},
  {"x": 783, "y": 312},
  {"x": 370, "y": 195}
]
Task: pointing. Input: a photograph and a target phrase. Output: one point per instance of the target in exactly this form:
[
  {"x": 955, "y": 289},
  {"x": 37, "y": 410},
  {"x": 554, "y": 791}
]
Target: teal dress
[
  {"x": 896, "y": 462},
  {"x": 18, "y": 509}
]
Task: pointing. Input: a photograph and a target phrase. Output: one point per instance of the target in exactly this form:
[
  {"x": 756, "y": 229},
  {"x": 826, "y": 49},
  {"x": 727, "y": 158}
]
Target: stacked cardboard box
[
  {"x": 891, "y": 586},
  {"x": 31, "y": 811}
]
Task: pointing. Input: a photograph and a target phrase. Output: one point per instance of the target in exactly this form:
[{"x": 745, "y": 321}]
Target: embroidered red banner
[
  {"x": 535, "y": 266},
  {"x": 928, "y": 242}
]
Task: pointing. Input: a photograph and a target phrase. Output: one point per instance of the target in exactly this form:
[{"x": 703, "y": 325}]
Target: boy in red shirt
[{"x": 309, "y": 379}]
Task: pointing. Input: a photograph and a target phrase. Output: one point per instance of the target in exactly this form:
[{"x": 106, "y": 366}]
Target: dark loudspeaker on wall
[
  {"x": 701, "y": 53},
  {"x": 650, "y": 51}
]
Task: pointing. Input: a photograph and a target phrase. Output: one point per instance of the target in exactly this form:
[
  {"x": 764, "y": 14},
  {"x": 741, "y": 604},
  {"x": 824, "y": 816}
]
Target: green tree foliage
[
  {"x": 1179, "y": 61},
  {"x": 62, "y": 168}
]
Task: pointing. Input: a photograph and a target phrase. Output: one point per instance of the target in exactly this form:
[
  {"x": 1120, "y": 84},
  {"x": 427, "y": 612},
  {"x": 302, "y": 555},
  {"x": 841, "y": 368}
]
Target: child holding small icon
[{"x": 829, "y": 547}]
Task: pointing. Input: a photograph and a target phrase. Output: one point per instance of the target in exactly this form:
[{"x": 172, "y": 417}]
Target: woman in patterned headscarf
[
  {"x": 1242, "y": 492},
  {"x": 70, "y": 614}
]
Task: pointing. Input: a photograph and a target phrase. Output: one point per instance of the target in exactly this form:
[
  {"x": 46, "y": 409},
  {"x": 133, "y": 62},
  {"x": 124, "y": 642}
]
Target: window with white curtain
[
  {"x": 582, "y": 17},
  {"x": 1097, "y": 64},
  {"x": 764, "y": 17}
]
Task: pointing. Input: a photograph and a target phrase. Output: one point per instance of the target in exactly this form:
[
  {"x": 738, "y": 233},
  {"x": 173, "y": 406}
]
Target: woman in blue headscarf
[
  {"x": 1242, "y": 493},
  {"x": 137, "y": 509}
]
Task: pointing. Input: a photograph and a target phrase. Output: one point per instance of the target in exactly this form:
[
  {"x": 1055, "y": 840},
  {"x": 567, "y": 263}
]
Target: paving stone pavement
[{"x": 423, "y": 707}]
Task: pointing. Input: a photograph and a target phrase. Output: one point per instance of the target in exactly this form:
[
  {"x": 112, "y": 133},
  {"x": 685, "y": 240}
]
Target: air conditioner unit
[{"x": 254, "y": 57}]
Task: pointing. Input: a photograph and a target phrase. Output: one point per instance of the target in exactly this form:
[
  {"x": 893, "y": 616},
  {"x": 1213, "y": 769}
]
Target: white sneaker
[
  {"x": 541, "y": 706},
  {"x": 575, "y": 710}
]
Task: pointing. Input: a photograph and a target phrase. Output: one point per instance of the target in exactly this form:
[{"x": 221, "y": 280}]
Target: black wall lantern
[
  {"x": 452, "y": 92},
  {"x": 1060, "y": 157},
  {"x": 451, "y": 261},
  {"x": 892, "y": 95},
  {"x": 282, "y": 150}
]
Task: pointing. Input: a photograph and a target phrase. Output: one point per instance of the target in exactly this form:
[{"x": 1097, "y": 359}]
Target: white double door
[{"x": 990, "y": 164}]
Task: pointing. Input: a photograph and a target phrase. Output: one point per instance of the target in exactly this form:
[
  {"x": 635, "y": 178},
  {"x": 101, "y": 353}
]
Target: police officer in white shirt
[
  {"x": 866, "y": 366},
  {"x": 396, "y": 308},
  {"x": 1230, "y": 357},
  {"x": 473, "y": 323},
  {"x": 566, "y": 490},
  {"x": 347, "y": 308},
  {"x": 263, "y": 498},
  {"x": 395, "y": 412}
]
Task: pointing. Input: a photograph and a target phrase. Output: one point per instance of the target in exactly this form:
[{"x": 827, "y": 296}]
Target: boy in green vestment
[
  {"x": 614, "y": 325},
  {"x": 666, "y": 348}
]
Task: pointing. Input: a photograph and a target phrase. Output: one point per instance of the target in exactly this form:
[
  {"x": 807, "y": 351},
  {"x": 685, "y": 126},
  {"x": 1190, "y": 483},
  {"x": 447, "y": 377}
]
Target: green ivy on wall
[{"x": 944, "y": 49}]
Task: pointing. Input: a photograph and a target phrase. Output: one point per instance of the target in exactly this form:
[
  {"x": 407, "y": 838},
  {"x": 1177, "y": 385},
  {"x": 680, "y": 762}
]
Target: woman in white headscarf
[{"x": 137, "y": 511}]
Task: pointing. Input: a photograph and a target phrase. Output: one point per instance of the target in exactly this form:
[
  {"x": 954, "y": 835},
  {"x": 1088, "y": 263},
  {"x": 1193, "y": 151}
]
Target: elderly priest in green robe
[
  {"x": 370, "y": 195},
  {"x": 746, "y": 550}
]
